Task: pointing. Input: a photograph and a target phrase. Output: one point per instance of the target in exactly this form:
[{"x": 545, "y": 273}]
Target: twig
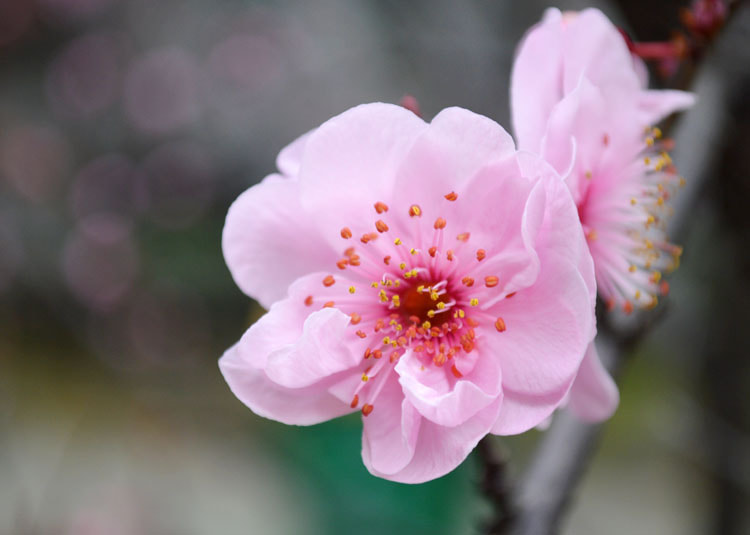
[{"x": 496, "y": 486}]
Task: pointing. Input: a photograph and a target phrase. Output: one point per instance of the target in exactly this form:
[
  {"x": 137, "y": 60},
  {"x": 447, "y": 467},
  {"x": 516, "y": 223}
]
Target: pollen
[
  {"x": 402, "y": 265},
  {"x": 309, "y": 300},
  {"x": 367, "y": 409},
  {"x": 361, "y": 334},
  {"x": 396, "y": 300},
  {"x": 397, "y": 241},
  {"x": 440, "y": 223},
  {"x": 415, "y": 210},
  {"x": 474, "y": 301},
  {"x": 500, "y": 325},
  {"x": 381, "y": 226},
  {"x": 452, "y": 196},
  {"x": 481, "y": 254},
  {"x": 380, "y": 207},
  {"x": 341, "y": 264},
  {"x": 413, "y": 251},
  {"x": 346, "y": 233},
  {"x": 329, "y": 281},
  {"x": 464, "y": 237},
  {"x": 355, "y": 318},
  {"x": 432, "y": 251},
  {"x": 387, "y": 260},
  {"x": 352, "y": 289},
  {"x": 491, "y": 281},
  {"x": 467, "y": 281}
]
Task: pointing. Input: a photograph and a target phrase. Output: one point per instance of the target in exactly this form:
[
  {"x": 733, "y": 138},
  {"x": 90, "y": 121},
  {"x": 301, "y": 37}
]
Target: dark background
[{"x": 126, "y": 130}]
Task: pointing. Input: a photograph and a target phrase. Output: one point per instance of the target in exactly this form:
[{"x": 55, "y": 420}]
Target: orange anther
[
  {"x": 341, "y": 264},
  {"x": 449, "y": 255},
  {"x": 491, "y": 281},
  {"x": 329, "y": 281},
  {"x": 415, "y": 211},
  {"x": 452, "y": 196},
  {"x": 355, "y": 318},
  {"x": 377, "y": 354},
  {"x": 309, "y": 300},
  {"x": 387, "y": 260},
  {"x": 380, "y": 207},
  {"x": 500, "y": 325},
  {"x": 354, "y": 260},
  {"x": 381, "y": 226},
  {"x": 628, "y": 307},
  {"x": 511, "y": 294},
  {"x": 355, "y": 401},
  {"x": 457, "y": 374},
  {"x": 432, "y": 251},
  {"x": 368, "y": 351},
  {"x": 346, "y": 233},
  {"x": 464, "y": 237},
  {"x": 481, "y": 254},
  {"x": 367, "y": 409},
  {"x": 349, "y": 251},
  {"x": 467, "y": 281},
  {"x": 440, "y": 223},
  {"x": 361, "y": 334},
  {"x": 472, "y": 322},
  {"x": 328, "y": 304}
]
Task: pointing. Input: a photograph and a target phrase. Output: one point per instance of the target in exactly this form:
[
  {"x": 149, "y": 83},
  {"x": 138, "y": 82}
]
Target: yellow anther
[
  {"x": 650, "y": 141},
  {"x": 396, "y": 300},
  {"x": 660, "y": 201},
  {"x": 375, "y": 284},
  {"x": 434, "y": 296},
  {"x": 386, "y": 340},
  {"x": 413, "y": 250},
  {"x": 365, "y": 378},
  {"x": 649, "y": 244},
  {"x": 426, "y": 325},
  {"x": 632, "y": 268},
  {"x": 647, "y": 160},
  {"x": 633, "y": 201},
  {"x": 430, "y": 313},
  {"x": 383, "y": 296},
  {"x": 420, "y": 288},
  {"x": 397, "y": 241},
  {"x": 402, "y": 265},
  {"x": 637, "y": 294},
  {"x": 440, "y": 305},
  {"x": 461, "y": 314},
  {"x": 474, "y": 301},
  {"x": 352, "y": 289},
  {"x": 397, "y": 283},
  {"x": 588, "y": 175},
  {"x": 656, "y": 132}
]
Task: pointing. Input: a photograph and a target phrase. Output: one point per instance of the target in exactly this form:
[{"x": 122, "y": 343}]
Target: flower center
[{"x": 413, "y": 294}]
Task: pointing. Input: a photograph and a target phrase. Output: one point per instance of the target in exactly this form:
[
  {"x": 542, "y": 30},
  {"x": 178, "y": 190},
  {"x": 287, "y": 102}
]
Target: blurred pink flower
[
  {"x": 579, "y": 99},
  {"x": 427, "y": 275}
]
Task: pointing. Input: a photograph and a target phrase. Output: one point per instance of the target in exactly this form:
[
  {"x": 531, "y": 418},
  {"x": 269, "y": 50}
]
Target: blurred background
[{"x": 127, "y": 127}]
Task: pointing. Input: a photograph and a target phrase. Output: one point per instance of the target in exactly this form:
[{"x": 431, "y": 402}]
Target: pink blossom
[
  {"x": 425, "y": 274},
  {"x": 579, "y": 99}
]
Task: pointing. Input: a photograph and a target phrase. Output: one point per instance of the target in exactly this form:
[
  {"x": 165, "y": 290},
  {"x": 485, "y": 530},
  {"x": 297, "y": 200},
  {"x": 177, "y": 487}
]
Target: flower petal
[
  {"x": 290, "y": 157},
  {"x": 390, "y": 431},
  {"x": 350, "y": 162},
  {"x": 443, "y": 400},
  {"x": 655, "y": 105},
  {"x": 294, "y": 406},
  {"x": 593, "y": 396},
  {"x": 440, "y": 449},
  {"x": 269, "y": 240}
]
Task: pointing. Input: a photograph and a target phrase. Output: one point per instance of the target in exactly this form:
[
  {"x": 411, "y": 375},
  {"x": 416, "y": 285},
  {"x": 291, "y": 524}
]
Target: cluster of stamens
[
  {"x": 417, "y": 296},
  {"x": 642, "y": 225}
]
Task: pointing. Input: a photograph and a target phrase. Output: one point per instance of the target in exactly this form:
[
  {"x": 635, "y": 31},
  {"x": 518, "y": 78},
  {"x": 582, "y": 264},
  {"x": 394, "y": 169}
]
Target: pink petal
[
  {"x": 441, "y": 449},
  {"x": 521, "y": 412},
  {"x": 447, "y": 155},
  {"x": 294, "y": 406},
  {"x": 269, "y": 240},
  {"x": 536, "y": 80},
  {"x": 548, "y": 327},
  {"x": 655, "y": 105},
  {"x": 445, "y": 402},
  {"x": 593, "y": 396},
  {"x": 390, "y": 431},
  {"x": 350, "y": 162},
  {"x": 290, "y": 157}
]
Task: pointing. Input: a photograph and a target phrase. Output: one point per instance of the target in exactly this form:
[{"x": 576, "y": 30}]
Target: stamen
[
  {"x": 329, "y": 281},
  {"x": 500, "y": 325},
  {"x": 352, "y": 289},
  {"x": 309, "y": 300},
  {"x": 381, "y": 226},
  {"x": 481, "y": 254},
  {"x": 464, "y": 237},
  {"x": 452, "y": 196},
  {"x": 355, "y": 401},
  {"x": 341, "y": 264},
  {"x": 415, "y": 211},
  {"x": 380, "y": 207},
  {"x": 491, "y": 281},
  {"x": 328, "y": 304},
  {"x": 355, "y": 318},
  {"x": 440, "y": 223},
  {"x": 346, "y": 233},
  {"x": 367, "y": 409}
]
